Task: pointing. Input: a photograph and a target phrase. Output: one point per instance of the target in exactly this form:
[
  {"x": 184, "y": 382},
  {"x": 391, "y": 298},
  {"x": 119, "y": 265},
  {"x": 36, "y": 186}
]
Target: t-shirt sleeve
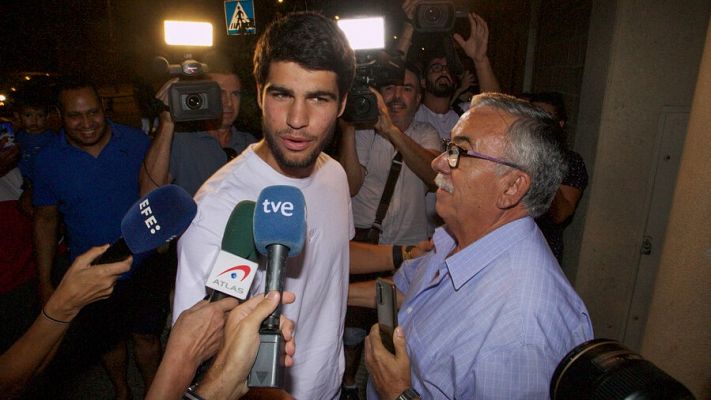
[{"x": 364, "y": 141}]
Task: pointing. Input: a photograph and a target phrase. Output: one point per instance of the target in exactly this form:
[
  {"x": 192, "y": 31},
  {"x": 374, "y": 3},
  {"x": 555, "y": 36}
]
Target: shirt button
[{"x": 409, "y": 310}]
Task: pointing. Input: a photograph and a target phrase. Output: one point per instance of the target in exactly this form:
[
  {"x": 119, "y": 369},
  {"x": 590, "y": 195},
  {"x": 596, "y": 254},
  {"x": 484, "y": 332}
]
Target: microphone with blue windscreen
[
  {"x": 158, "y": 217},
  {"x": 279, "y": 232}
]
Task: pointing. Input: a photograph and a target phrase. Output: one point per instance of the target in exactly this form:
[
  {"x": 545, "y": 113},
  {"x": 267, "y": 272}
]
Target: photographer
[
  {"x": 368, "y": 156},
  {"x": 187, "y": 159}
]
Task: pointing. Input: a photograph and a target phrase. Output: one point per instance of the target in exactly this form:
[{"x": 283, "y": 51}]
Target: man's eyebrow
[
  {"x": 322, "y": 93},
  {"x": 280, "y": 89},
  {"x": 458, "y": 140}
]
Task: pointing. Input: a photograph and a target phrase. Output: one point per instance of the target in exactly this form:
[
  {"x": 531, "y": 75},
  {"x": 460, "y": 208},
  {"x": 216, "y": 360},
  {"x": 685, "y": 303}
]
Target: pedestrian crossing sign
[{"x": 239, "y": 17}]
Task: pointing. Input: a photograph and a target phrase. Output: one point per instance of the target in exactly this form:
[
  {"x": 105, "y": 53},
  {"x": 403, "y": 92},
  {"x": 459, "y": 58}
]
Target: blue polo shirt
[
  {"x": 30, "y": 145},
  {"x": 93, "y": 194}
]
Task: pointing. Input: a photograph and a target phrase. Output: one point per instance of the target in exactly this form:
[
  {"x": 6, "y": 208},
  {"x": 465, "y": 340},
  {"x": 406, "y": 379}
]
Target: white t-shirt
[
  {"x": 318, "y": 276},
  {"x": 443, "y": 123},
  {"x": 405, "y": 222}
]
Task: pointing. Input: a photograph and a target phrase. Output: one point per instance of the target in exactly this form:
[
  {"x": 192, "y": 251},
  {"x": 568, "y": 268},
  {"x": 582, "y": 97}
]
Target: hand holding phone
[{"x": 386, "y": 302}]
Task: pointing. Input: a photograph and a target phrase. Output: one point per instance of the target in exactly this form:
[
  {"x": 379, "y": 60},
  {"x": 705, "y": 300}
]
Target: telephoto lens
[{"x": 604, "y": 369}]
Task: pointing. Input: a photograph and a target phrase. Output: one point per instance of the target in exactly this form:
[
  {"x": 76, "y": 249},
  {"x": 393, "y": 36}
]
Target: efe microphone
[
  {"x": 279, "y": 232},
  {"x": 235, "y": 266},
  {"x": 161, "y": 215}
]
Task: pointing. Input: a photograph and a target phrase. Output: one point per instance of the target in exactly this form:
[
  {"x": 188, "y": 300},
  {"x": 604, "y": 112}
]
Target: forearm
[
  {"x": 368, "y": 258},
  {"x": 416, "y": 157},
  {"x": 172, "y": 378},
  {"x": 348, "y": 157},
  {"x": 404, "y": 41},
  {"x": 155, "y": 171},
  {"x": 362, "y": 294},
  {"x": 45, "y": 241},
  {"x": 29, "y": 354},
  {"x": 485, "y": 76}
]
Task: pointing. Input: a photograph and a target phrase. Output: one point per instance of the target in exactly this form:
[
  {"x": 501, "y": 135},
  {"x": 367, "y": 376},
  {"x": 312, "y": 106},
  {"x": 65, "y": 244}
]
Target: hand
[
  {"x": 198, "y": 332},
  {"x": 390, "y": 373},
  {"x": 8, "y": 157},
  {"x": 227, "y": 377},
  {"x": 162, "y": 95},
  {"x": 409, "y": 7},
  {"x": 476, "y": 45},
  {"x": 421, "y": 248},
  {"x": 84, "y": 283},
  {"x": 384, "y": 125}
]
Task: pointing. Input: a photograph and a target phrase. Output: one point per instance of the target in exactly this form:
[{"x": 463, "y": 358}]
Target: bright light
[
  {"x": 186, "y": 33},
  {"x": 2, "y": 97},
  {"x": 27, "y": 77},
  {"x": 364, "y": 33}
]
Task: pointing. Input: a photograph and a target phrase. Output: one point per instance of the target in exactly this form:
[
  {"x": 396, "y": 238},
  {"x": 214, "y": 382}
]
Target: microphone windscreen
[
  {"x": 280, "y": 218},
  {"x": 238, "y": 238},
  {"x": 161, "y": 215}
]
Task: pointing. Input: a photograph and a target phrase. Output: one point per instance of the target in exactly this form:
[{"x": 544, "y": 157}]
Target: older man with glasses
[{"x": 488, "y": 313}]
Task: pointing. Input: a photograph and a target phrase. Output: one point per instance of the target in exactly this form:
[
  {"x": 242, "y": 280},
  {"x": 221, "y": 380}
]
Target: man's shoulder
[{"x": 129, "y": 133}]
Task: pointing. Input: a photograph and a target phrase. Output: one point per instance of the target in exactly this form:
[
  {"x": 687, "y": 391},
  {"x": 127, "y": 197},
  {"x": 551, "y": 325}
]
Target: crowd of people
[{"x": 441, "y": 196}]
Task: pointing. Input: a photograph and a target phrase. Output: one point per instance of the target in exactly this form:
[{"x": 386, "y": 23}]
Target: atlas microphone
[
  {"x": 279, "y": 232},
  {"x": 236, "y": 264},
  {"x": 158, "y": 217}
]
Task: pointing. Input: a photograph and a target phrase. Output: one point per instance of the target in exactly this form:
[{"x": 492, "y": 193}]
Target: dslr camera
[
  {"x": 373, "y": 68},
  {"x": 437, "y": 15},
  {"x": 192, "y": 98}
]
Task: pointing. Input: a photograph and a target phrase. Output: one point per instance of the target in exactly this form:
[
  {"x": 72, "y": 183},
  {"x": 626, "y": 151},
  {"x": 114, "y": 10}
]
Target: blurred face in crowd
[
  {"x": 402, "y": 101},
  {"x": 230, "y": 85},
  {"x": 84, "y": 121},
  {"x": 438, "y": 79},
  {"x": 299, "y": 112},
  {"x": 33, "y": 119}
]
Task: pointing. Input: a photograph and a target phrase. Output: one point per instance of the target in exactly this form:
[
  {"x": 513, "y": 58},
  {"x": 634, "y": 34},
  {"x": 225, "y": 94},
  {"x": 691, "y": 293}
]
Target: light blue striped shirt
[{"x": 490, "y": 322}]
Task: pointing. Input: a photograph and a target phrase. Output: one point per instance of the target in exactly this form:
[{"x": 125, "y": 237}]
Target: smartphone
[{"x": 386, "y": 301}]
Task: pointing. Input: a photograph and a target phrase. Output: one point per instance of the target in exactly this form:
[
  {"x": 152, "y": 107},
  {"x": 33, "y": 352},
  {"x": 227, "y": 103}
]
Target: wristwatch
[
  {"x": 409, "y": 394},
  {"x": 190, "y": 394}
]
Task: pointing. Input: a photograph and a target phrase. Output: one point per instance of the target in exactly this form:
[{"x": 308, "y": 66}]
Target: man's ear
[
  {"x": 259, "y": 96},
  {"x": 342, "y": 107},
  {"x": 514, "y": 186}
]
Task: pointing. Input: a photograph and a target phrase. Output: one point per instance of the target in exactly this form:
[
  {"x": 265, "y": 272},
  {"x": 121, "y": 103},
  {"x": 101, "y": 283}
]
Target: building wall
[{"x": 642, "y": 58}]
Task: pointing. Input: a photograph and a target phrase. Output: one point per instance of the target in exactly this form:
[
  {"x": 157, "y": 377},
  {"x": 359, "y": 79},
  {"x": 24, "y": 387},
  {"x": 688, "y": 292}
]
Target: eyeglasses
[
  {"x": 437, "y": 67},
  {"x": 454, "y": 152}
]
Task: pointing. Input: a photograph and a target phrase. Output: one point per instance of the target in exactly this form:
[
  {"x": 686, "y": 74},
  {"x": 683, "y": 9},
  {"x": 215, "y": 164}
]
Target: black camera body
[
  {"x": 373, "y": 68},
  {"x": 437, "y": 16},
  {"x": 193, "y": 98}
]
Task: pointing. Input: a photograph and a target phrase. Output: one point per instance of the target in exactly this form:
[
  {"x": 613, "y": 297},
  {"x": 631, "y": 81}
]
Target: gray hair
[{"x": 531, "y": 144}]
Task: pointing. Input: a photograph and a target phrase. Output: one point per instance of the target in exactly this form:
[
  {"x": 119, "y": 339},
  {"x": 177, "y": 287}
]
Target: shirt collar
[{"x": 468, "y": 262}]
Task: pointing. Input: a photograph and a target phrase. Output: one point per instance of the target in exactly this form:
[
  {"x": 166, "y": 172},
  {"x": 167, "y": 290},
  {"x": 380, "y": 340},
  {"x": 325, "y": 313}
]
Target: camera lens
[
  {"x": 433, "y": 14},
  {"x": 193, "y": 101}
]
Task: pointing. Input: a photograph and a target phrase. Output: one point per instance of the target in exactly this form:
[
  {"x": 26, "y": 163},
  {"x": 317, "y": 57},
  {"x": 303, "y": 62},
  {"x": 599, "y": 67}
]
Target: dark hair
[
  {"x": 310, "y": 40},
  {"x": 553, "y": 98},
  {"x": 531, "y": 143},
  {"x": 32, "y": 100},
  {"x": 75, "y": 83}
]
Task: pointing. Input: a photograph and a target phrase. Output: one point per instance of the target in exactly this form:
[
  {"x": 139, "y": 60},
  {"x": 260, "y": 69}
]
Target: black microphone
[{"x": 279, "y": 232}]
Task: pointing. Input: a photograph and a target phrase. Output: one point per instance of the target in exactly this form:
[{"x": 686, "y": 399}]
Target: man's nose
[
  {"x": 298, "y": 116},
  {"x": 441, "y": 164}
]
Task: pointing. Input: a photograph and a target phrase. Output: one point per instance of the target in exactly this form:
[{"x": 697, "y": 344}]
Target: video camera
[
  {"x": 192, "y": 98},
  {"x": 374, "y": 68},
  {"x": 437, "y": 15}
]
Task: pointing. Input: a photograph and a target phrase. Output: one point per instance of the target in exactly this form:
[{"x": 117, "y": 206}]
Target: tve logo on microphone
[
  {"x": 232, "y": 275},
  {"x": 286, "y": 208}
]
